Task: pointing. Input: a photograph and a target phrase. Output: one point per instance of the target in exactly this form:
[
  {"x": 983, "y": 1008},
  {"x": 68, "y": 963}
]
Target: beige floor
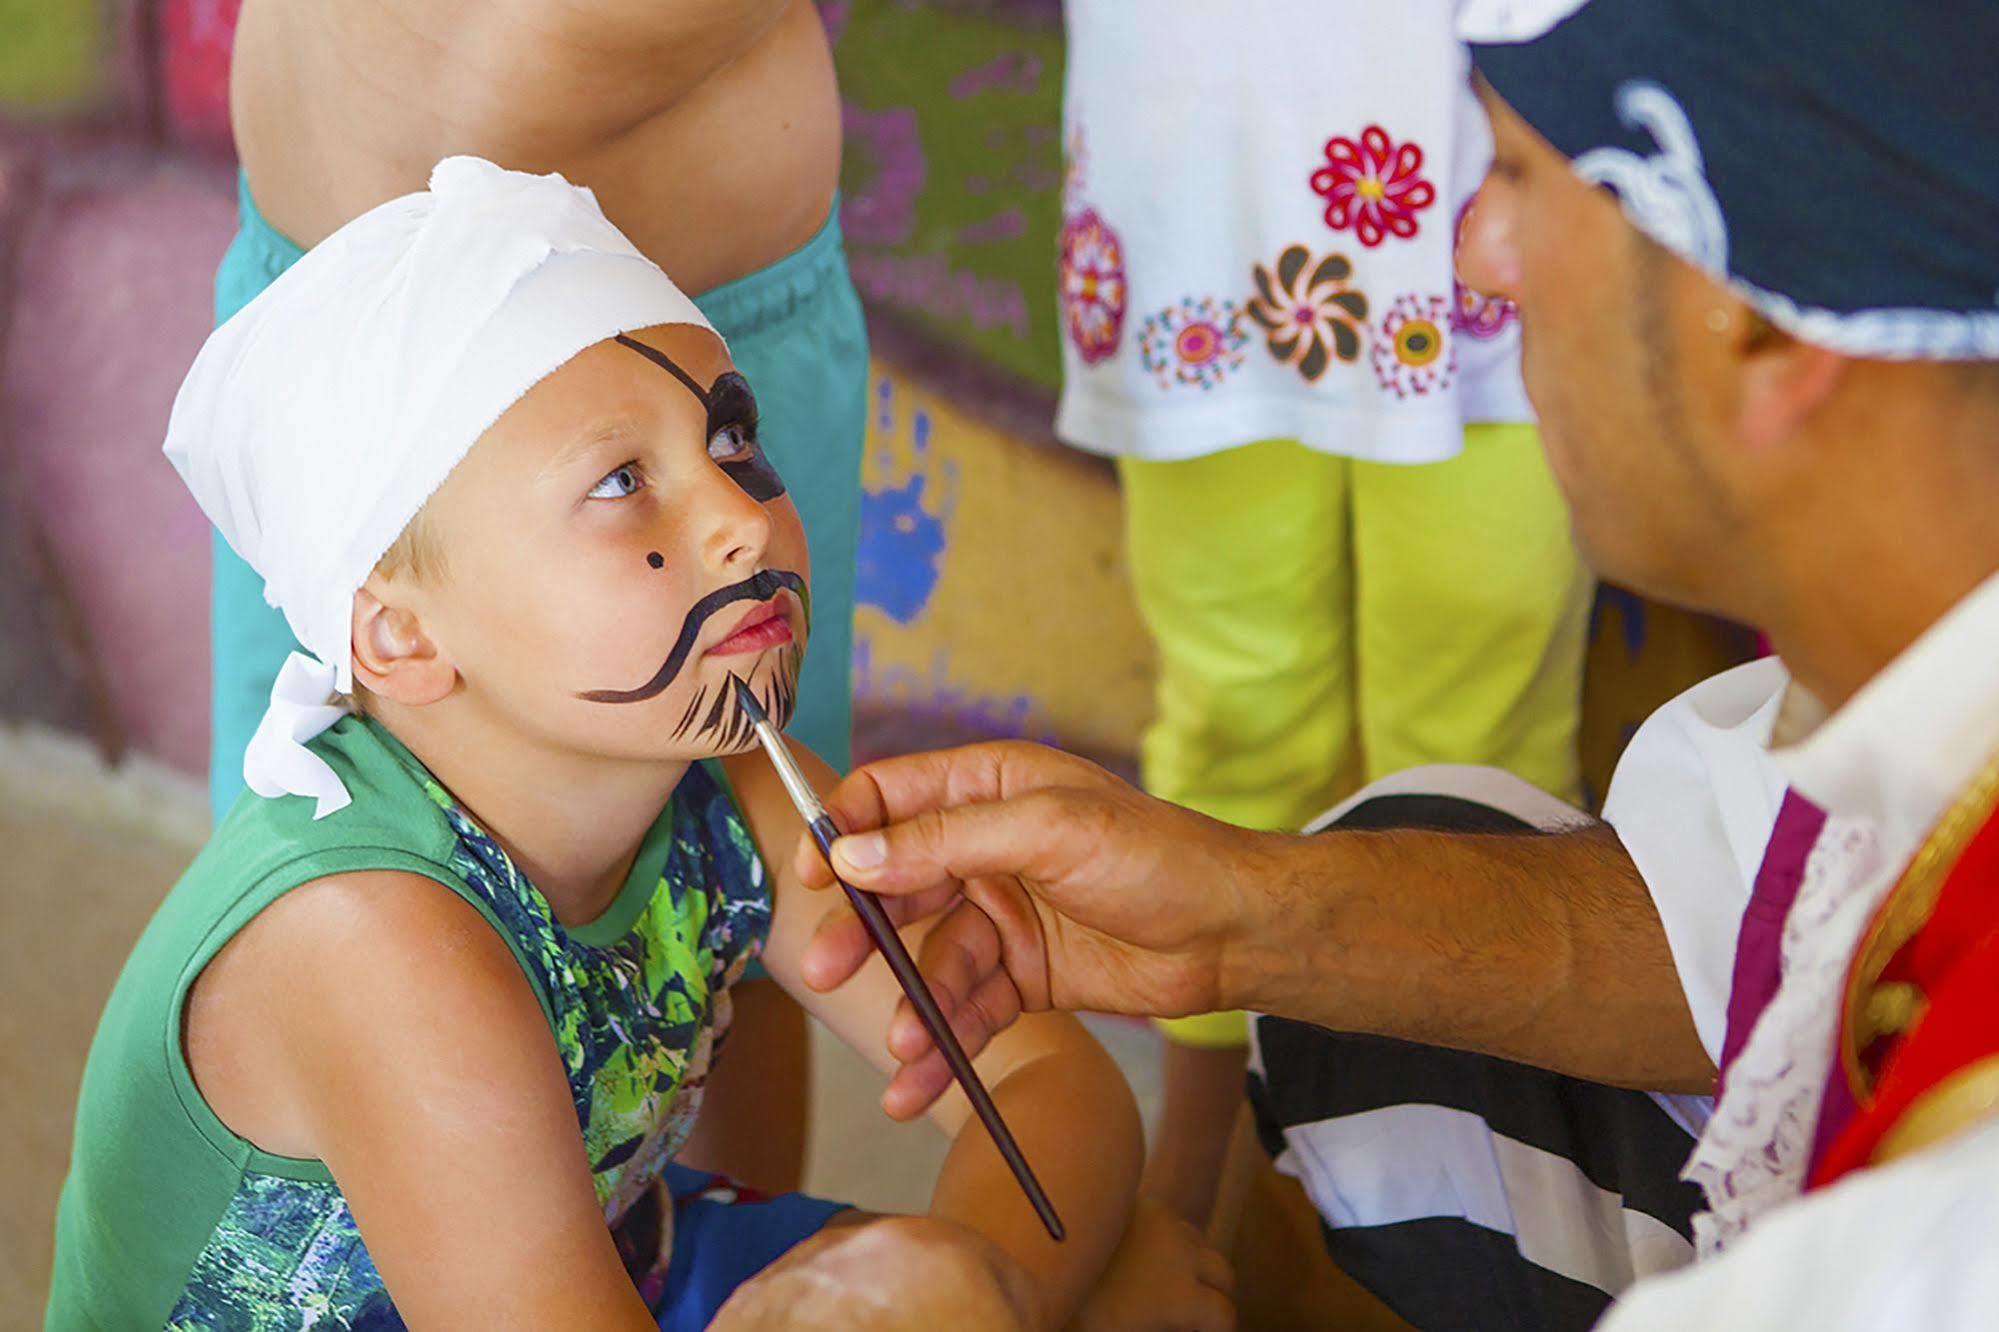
[{"x": 85, "y": 855}]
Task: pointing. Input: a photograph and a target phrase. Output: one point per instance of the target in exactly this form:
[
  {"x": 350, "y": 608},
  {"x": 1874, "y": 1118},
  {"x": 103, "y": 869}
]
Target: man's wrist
[{"x": 1278, "y": 911}]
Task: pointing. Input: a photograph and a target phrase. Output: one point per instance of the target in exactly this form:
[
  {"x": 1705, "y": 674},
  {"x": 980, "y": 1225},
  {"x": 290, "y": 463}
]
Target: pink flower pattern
[
  {"x": 1092, "y": 285},
  {"x": 1373, "y": 186},
  {"x": 1193, "y": 343}
]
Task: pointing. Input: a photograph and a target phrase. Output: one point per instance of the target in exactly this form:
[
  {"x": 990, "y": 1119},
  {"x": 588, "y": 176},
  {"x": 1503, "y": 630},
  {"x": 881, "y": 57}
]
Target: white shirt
[
  {"x": 1205, "y": 140},
  {"x": 1907, "y": 1245}
]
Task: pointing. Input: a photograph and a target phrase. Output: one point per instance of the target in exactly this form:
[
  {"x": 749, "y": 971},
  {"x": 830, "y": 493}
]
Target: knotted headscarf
[{"x": 317, "y": 421}]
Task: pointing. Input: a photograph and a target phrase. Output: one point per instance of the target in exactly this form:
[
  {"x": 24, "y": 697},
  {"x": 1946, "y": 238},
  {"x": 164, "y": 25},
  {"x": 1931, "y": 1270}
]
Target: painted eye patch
[
  {"x": 732, "y": 425},
  {"x": 732, "y": 439}
]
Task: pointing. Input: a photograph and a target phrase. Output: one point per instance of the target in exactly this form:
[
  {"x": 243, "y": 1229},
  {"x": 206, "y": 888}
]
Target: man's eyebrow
[{"x": 665, "y": 362}]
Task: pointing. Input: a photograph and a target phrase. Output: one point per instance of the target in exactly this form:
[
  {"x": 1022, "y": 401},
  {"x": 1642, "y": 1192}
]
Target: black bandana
[{"x": 1837, "y": 161}]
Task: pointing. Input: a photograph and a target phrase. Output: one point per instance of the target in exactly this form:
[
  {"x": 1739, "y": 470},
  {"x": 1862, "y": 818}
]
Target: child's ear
[{"x": 394, "y": 657}]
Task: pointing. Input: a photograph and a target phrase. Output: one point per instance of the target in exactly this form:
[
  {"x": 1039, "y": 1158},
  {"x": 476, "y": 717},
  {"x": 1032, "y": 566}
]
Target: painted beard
[
  {"x": 725, "y": 727},
  {"x": 713, "y": 716}
]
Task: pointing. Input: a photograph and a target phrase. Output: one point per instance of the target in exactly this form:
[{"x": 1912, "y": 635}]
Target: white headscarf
[{"x": 316, "y": 423}]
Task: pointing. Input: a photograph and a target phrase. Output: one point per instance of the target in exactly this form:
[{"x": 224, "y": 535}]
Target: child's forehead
[
  {"x": 610, "y": 391},
  {"x": 653, "y": 373}
]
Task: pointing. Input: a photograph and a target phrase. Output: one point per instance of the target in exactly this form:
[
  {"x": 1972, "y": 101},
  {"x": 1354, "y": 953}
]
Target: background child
[
  {"x": 417, "y": 1035},
  {"x": 1342, "y": 534}
]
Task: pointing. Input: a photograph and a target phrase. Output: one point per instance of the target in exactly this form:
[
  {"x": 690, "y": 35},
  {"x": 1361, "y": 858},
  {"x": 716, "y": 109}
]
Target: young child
[
  {"x": 1343, "y": 537},
  {"x": 414, "y": 1040}
]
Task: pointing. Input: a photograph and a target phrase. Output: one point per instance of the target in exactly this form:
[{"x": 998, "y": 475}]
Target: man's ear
[
  {"x": 394, "y": 657},
  {"x": 1784, "y": 383}
]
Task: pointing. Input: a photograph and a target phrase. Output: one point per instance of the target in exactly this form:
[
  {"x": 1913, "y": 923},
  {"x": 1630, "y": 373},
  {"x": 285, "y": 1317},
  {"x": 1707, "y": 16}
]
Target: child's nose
[{"x": 737, "y": 530}]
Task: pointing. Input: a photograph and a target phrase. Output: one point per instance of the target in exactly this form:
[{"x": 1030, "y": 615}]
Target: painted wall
[{"x": 993, "y": 597}]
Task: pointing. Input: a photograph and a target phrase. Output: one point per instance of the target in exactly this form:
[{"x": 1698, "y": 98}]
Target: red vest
[{"x": 1919, "y": 1034}]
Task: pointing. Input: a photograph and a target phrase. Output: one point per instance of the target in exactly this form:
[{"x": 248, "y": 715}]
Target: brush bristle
[{"x": 749, "y": 702}]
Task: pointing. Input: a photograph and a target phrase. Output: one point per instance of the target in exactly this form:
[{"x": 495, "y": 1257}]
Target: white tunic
[
  {"x": 1906, "y": 1245},
  {"x": 1259, "y": 222}
]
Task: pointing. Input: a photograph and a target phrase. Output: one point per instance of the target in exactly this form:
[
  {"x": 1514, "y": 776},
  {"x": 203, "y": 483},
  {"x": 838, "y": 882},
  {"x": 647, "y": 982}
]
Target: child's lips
[{"x": 764, "y": 627}]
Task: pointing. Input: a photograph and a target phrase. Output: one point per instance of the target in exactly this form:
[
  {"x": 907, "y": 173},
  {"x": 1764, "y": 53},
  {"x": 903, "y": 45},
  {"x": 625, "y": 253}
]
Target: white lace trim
[{"x": 1755, "y": 1151}]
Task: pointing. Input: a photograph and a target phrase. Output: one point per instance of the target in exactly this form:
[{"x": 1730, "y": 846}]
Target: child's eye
[
  {"x": 619, "y": 484},
  {"x": 731, "y": 441}
]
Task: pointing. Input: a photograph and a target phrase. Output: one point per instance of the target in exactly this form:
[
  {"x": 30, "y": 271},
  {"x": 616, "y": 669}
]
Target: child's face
[{"x": 616, "y": 548}]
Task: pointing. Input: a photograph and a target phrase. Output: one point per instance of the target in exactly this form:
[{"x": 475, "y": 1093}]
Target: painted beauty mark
[{"x": 901, "y": 550}]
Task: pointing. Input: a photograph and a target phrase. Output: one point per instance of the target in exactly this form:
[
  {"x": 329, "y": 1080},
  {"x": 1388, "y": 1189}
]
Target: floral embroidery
[
  {"x": 1075, "y": 168},
  {"x": 1373, "y": 186},
  {"x": 1194, "y": 342},
  {"x": 1307, "y": 311},
  {"x": 1473, "y": 313},
  {"x": 1093, "y": 286},
  {"x": 1412, "y": 356}
]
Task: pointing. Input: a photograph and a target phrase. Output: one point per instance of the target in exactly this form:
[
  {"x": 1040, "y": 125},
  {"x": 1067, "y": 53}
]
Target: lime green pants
[{"x": 1322, "y": 622}]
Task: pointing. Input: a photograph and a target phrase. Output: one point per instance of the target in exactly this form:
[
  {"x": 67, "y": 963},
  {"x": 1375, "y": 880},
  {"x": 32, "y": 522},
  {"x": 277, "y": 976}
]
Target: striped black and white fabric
[{"x": 1466, "y": 1191}]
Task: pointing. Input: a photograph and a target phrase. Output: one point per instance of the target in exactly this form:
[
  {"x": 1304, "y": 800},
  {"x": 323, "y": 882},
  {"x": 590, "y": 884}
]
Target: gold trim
[
  {"x": 1967, "y": 1097},
  {"x": 1907, "y": 907}
]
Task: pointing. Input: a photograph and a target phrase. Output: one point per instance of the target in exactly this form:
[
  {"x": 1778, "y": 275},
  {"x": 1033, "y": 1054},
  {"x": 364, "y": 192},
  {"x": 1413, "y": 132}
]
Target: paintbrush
[{"x": 882, "y": 931}]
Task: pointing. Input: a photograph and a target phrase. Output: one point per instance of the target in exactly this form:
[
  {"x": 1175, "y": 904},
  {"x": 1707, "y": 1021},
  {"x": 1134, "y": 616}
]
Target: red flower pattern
[
  {"x": 1373, "y": 186},
  {"x": 1092, "y": 286}
]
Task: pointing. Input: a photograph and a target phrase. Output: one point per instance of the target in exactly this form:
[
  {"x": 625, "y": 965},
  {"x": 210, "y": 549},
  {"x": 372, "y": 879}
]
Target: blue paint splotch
[
  {"x": 901, "y": 551},
  {"x": 900, "y": 554}
]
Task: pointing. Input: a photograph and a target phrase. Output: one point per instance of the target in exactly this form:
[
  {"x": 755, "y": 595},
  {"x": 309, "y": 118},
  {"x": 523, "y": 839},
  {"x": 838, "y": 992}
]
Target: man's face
[
  {"x": 1626, "y": 381},
  {"x": 615, "y": 550}
]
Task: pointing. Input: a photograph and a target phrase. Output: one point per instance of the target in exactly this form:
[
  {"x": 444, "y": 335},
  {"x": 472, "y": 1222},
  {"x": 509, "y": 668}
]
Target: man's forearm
[{"x": 1542, "y": 948}]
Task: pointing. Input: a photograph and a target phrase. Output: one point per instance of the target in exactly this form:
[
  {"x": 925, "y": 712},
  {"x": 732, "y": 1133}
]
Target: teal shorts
[{"x": 795, "y": 331}]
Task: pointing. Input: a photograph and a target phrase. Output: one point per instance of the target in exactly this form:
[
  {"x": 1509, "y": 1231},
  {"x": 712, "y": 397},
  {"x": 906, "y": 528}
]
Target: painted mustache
[{"x": 761, "y": 586}]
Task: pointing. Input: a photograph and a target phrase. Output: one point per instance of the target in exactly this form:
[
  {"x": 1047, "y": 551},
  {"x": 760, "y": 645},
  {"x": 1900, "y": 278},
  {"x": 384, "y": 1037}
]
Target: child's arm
[
  {"x": 397, "y": 1040},
  {"x": 1064, "y": 1099}
]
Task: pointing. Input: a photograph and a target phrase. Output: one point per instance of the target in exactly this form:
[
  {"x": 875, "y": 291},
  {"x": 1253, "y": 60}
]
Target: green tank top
[{"x": 168, "y": 1219}]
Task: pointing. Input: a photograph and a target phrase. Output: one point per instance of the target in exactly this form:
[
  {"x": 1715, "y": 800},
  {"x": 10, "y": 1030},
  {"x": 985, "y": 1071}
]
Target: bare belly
[{"x": 710, "y": 131}]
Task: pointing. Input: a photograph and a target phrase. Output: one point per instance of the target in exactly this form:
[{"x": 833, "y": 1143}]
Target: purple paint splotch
[
  {"x": 927, "y": 283},
  {"x": 1010, "y": 71},
  {"x": 882, "y": 211},
  {"x": 1001, "y": 226},
  {"x": 834, "y": 15},
  {"x": 930, "y": 696}
]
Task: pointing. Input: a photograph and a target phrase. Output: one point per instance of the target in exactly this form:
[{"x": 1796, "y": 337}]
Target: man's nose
[{"x": 1487, "y": 261}]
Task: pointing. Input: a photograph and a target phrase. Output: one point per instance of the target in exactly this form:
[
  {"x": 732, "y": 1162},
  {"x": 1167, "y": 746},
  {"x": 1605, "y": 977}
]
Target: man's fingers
[
  {"x": 1210, "y": 1311},
  {"x": 890, "y": 790},
  {"x": 956, "y": 956},
  {"x": 1037, "y": 835},
  {"x": 993, "y": 1006},
  {"x": 840, "y": 945},
  {"x": 915, "y": 1087},
  {"x": 1213, "y": 1269}
]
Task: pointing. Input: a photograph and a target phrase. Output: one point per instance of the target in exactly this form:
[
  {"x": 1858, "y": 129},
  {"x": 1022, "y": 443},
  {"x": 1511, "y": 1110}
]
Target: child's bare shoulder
[{"x": 337, "y": 984}]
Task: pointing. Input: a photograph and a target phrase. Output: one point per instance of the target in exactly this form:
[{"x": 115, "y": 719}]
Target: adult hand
[
  {"x": 1059, "y": 887},
  {"x": 888, "y": 1274}
]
